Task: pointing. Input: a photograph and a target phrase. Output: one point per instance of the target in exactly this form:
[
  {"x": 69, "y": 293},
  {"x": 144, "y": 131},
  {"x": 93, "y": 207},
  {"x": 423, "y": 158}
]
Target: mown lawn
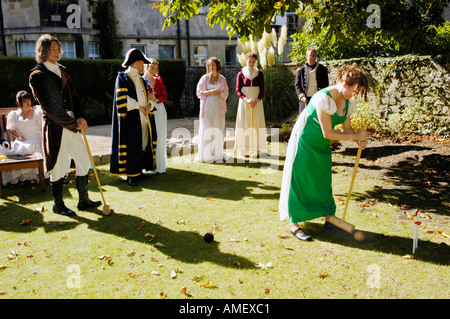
[{"x": 152, "y": 245}]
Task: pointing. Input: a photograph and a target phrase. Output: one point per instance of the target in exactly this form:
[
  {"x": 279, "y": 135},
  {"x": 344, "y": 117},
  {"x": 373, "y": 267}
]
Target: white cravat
[
  {"x": 132, "y": 104},
  {"x": 312, "y": 83},
  {"x": 54, "y": 67}
]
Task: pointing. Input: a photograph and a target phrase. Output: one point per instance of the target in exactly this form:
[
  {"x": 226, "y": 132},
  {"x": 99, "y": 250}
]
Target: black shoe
[
  {"x": 63, "y": 210},
  {"x": 301, "y": 236},
  {"x": 83, "y": 204},
  {"x": 132, "y": 181}
]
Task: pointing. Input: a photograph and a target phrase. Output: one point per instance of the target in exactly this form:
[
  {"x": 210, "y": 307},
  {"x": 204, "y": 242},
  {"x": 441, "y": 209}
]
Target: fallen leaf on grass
[
  {"x": 264, "y": 266},
  {"x": 197, "y": 278},
  {"x": 152, "y": 236},
  {"x": 208, "y": 284},
  {"x": 141, "y": 225},
  {"x": 184, "y": 290},
  {"x": 26, "y": 221},
  {"x": 40, "y": 209},
  {"x": 103, "y": 257},
  {"x": 323, "y": 274},
  {"x": 158, "y": 244},
  {"x": 173, "y": 274},
  {"x": 13, "y": 255},
  {"x": 440, "y": 232},
  {"x": 409, "y": 256},
  {"x": 156, "y": 273}
]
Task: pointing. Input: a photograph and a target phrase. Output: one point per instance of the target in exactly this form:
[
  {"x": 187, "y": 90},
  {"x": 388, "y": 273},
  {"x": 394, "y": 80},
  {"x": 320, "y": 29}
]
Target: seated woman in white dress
[
  {"x": 25, "y": 126},
  {"x": 212, "y": 90}
]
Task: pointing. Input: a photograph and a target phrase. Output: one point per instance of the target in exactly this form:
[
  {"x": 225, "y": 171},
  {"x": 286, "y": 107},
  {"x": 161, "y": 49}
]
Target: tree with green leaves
[{"x": 337, "y": 29}]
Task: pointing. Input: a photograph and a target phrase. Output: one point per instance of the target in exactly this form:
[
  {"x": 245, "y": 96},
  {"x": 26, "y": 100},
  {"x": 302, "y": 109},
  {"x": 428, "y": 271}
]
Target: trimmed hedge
[{"x": 94, "y": 81}]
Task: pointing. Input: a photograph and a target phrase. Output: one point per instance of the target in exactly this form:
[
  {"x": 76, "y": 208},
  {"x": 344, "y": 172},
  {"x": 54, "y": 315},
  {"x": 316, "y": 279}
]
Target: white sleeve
[
  {"x": 11, "y": 121},
  {"x": 324, "y": 103},
  {"x": 132, "y": 104}
]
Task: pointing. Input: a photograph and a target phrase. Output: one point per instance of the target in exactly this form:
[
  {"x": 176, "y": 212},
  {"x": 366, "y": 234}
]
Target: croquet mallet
[
  {"x": 355, "y": 168},
  {"x": 341, "y": 223},
  {"x": 106, "y": 208}
]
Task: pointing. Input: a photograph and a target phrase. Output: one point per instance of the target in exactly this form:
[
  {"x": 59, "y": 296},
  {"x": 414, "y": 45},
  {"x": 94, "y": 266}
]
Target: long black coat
[
  {"x": 56, "y": 96},
  {"x": 302, "y": 80},
  {"x": 127, "y": 156}
]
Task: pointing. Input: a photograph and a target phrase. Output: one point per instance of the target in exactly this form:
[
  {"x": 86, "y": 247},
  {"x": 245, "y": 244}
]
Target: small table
[{"x": 13, "y": 162}]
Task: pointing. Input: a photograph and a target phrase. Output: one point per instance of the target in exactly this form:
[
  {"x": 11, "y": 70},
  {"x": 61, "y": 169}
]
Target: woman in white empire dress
[
  {"x": 157, "y": 95},
  {"x": 212, "y": 90},
  {"x": 25, "y": 126},
  {"x": 250, "y": 134}
]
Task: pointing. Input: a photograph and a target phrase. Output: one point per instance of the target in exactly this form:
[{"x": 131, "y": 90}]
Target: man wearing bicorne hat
[{"x": 133, "y": 136}]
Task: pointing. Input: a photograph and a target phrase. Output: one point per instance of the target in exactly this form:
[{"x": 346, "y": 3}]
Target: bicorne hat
[{"x": 134, "y": 55}]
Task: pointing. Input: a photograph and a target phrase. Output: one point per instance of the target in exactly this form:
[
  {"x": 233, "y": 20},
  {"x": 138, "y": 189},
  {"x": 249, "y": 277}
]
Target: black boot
[
  {"x": 82, "y": 186},
  {"x": 59, "y": 207}
]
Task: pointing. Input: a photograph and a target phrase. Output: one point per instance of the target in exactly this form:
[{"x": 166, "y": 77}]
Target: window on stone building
[
  {"x": 140, "y": 47},
  {"x": 94, "y": 50},
  {"x": 230, "y": 55},
  {"x": 69, "y": 49},
  {"x": 166, "y": 52},
  {"x": 25, "y": 48},
  {"x": 200, "y": 55}
]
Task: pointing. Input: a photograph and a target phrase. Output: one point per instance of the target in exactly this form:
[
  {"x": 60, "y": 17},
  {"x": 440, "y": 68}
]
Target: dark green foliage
[
  {"x": 94, "y": 81},
  {"x": 280, "y": 100},
  {"x": 110, "y": 45}
]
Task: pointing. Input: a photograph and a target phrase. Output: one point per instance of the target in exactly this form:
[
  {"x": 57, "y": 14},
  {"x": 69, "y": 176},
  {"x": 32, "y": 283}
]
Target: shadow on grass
[
  {"x": 185, "y": 246},
  {"x": 198, "y": 184},
  {"x": 419, "y": 182},
  {"x": 427, "y": 251},
  {"x": 19, "y": 219}
]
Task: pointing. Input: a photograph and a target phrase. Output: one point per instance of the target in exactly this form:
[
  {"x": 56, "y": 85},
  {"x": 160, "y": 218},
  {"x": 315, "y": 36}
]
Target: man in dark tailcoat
[
  {"x": 63, "y": 120},
  {"x": 310, "y": 78},
  {"x": 133, "y": 138}
]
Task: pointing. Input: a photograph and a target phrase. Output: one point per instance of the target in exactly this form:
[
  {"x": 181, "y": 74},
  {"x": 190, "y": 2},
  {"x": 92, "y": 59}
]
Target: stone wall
[
  {"x": 405, "y": 85},
  {"x": 398, "y": 84}
]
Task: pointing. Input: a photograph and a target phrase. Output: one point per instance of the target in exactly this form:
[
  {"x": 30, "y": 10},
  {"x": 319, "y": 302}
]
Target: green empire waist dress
[{"x": 310, "y": 193}]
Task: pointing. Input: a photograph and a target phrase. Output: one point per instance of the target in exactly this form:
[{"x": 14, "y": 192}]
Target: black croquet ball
[{"x": 208, "y": 237}]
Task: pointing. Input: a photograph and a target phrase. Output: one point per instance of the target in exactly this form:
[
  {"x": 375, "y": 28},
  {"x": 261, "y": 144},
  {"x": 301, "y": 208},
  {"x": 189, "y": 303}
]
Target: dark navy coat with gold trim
[{"x": 127, "y": 156}]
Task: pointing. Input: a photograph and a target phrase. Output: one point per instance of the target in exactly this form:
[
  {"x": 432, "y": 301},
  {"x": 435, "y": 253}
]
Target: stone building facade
[
  {"x": 139, "y": 26},
  {"x": 24, "y": 21}
]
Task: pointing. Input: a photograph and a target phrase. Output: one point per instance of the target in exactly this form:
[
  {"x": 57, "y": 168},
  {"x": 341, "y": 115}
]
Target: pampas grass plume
[{"x": 271, "y": 56}]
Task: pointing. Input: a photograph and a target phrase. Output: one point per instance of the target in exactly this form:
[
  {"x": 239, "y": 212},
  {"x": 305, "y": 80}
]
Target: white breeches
[{"x": 72, "y": 147}]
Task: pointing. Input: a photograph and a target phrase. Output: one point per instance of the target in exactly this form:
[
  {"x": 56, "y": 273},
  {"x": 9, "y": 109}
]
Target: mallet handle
[
  {"x": 355, "y": 168},
  {"x": 93, "y": 166}
]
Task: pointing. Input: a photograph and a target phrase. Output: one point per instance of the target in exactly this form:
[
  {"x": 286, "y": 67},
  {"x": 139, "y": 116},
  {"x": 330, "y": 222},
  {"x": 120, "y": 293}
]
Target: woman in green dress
[{"x": 306, "y": 188}]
